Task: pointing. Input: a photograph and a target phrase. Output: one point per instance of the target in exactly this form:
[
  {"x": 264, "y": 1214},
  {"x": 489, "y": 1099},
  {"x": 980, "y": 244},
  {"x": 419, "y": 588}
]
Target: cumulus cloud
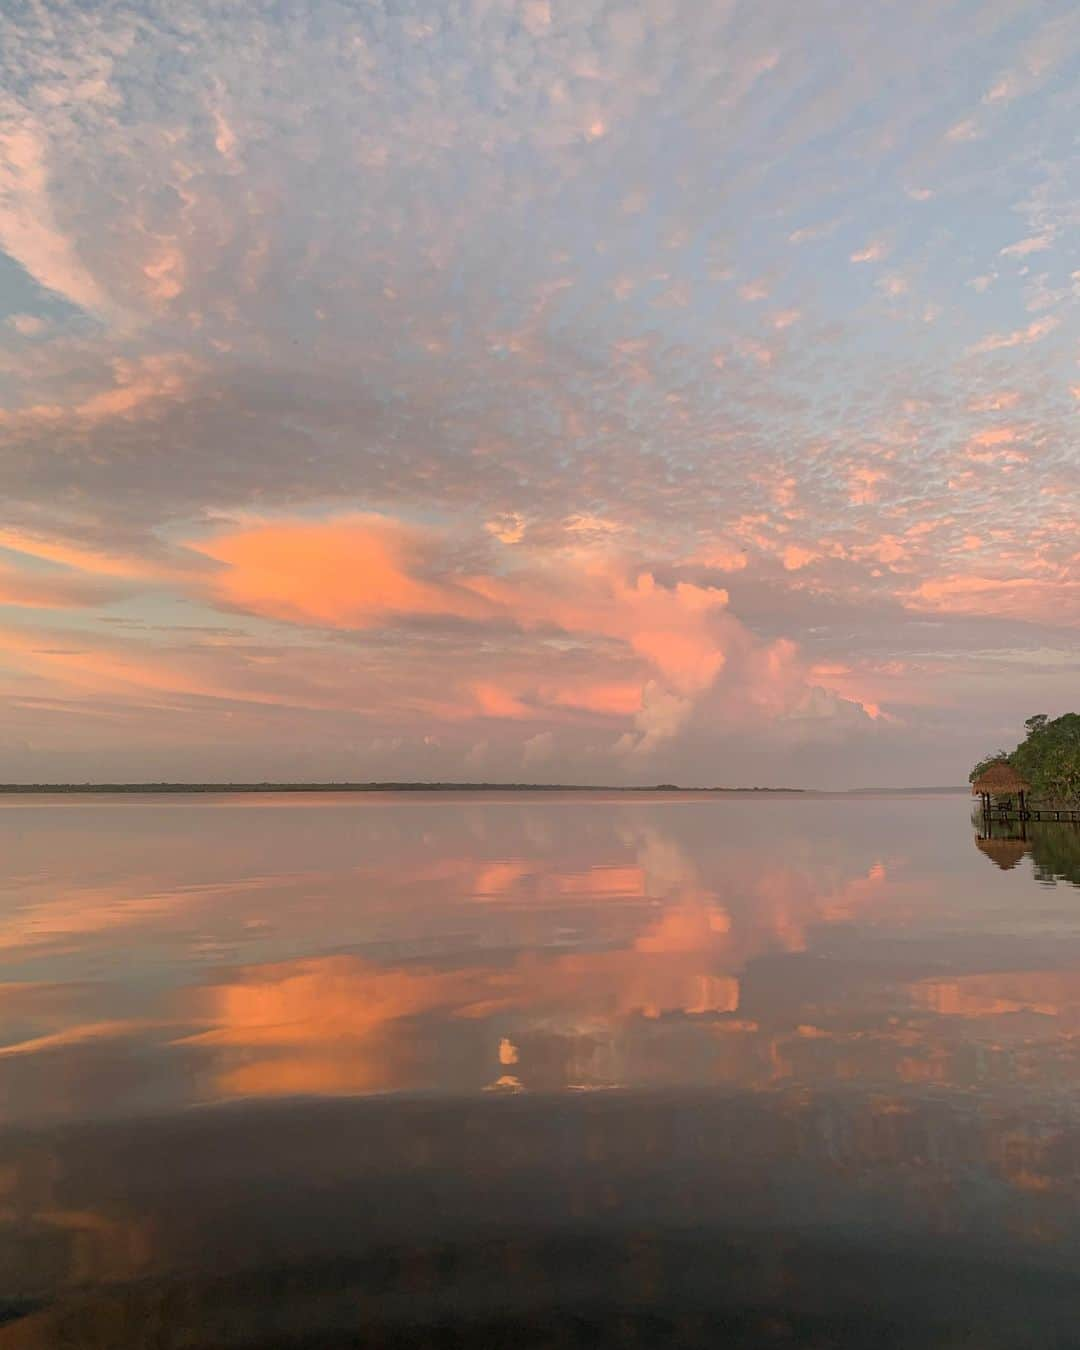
[
  {"x": 363, "y": 364},
  {"x": 360, "y": 572},
  {"x": 662, "y": 715}
]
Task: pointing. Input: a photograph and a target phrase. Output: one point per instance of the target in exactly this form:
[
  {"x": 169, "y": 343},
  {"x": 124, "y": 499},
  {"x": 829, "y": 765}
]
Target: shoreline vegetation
[
  {"x": 194, "y": 788},
  {"x": 1048, "y": 758}
]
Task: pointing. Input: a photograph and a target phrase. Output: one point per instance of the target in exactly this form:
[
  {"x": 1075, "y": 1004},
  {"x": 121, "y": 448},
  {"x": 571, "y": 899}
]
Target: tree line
[{"x": 1048, "y": 757}]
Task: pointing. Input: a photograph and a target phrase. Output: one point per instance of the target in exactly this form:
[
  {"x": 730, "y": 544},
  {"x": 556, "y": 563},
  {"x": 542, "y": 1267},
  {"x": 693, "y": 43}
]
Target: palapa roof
[
  {"x": 999, "y": 780},
  {"x": 1005, "y": 852}
]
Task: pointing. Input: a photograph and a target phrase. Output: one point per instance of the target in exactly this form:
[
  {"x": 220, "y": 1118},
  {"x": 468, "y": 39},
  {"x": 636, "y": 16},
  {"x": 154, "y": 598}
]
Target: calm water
[{"x": 536, "y": 1070}]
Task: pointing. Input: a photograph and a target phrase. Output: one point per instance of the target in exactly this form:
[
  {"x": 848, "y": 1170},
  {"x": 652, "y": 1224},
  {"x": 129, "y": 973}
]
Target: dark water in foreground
[{"x": 536, "y": 1071}]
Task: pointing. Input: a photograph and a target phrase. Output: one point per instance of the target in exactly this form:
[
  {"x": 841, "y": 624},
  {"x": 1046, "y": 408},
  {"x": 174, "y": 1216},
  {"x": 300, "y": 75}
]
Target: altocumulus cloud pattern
[{"x": 567, "y": 390}]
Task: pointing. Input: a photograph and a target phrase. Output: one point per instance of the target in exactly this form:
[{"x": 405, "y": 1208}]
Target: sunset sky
[{"x": 546, "y": 390}]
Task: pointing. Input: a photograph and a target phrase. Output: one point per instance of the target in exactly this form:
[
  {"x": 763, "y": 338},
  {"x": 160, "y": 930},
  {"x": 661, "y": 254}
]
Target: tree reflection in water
[{"x": 1053, "y": 846}]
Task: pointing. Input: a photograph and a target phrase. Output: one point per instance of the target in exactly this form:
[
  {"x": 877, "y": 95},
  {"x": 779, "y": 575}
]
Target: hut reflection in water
[{"x": 1054, "y": 847}]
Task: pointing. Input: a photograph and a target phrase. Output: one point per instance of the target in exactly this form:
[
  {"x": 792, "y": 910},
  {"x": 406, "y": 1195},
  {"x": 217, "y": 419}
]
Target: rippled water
[{"x": 537, "y": 1069}]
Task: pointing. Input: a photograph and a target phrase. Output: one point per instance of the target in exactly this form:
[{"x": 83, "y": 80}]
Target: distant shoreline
[
  {"x": 83, "y": 789},
  {"x": 362, "y": 787}
]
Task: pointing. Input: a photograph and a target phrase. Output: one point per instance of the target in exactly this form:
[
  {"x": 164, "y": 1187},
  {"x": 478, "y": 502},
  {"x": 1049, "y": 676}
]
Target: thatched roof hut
[
  {"x": 1006, "y": 853},
  {"x": 1000, "y": 779}
]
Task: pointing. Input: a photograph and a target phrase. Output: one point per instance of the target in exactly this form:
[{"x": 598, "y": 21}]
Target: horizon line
[{"x": 425, "y": 785}]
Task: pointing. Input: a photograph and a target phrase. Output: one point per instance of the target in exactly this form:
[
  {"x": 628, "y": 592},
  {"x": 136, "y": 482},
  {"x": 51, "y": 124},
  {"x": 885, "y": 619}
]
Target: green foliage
[
  {"x": 1055, "y": 852},
  {"x": 1049, "y": 758}
]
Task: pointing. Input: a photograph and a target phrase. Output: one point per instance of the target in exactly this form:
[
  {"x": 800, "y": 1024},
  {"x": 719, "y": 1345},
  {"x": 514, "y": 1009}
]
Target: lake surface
[{"x": 537, "y": 1070}]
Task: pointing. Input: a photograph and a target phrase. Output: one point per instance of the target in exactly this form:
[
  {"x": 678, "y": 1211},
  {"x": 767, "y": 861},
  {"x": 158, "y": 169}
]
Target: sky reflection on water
[
  {"x": 161, "y": 953},
  {"x": 842, "y": 1015}
]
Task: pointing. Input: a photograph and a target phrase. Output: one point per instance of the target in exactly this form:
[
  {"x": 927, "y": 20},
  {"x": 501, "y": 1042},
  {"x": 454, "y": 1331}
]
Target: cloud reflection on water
[
  {"x": 399, "y": 948},
  {"x": 837, "y": 1048}
]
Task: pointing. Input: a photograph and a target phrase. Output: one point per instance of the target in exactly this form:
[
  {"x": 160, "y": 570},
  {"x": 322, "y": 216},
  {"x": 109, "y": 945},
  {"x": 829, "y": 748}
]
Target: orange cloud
[
  {"x": 494, "y": 701},
  {"x": 618, "y": 699},
  {"x": 337, "y": 1024},
  {"x": 795, "y": 557},
  {"x": 1056, "y": 601},
  {"x": 724, "y": 557},
  {"x": 351, "y": 572},
  {"x": 864, "y": 484},
  {"x": 361, "y": 571},
  {"x": 595, "y": 632}
]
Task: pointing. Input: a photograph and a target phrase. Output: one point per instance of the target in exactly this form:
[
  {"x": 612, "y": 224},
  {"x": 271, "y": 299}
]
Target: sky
[{"x": 592, "y": 392}]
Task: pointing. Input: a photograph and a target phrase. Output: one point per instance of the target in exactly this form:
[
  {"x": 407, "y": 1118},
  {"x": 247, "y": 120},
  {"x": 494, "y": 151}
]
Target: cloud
[
  {"x": 1020, "y": 337},
  {"x": 353, "y": 572},
  {"x": 140, "y": 388},
  {"x": 893, "y": 286},
  {"x": 1036, "y": 243},
  {"x": 363, "y": 571},
  {"x": 415, "y": 458},
  {"x": 508, "y": 528},
  {"x": 28, "y": 325},
  {"x": 795, "y": 557},
  {"x": 1032, "y": 598},
  {"x": 37, "y": 592},
  {"x": 97, "y": 559},
  {"x": 662, "y": 715},
  {"x": 29, "y": 231},
  {"x": 811, "y": 232},
  {"x": 494, "y": 701},
  {"x": 967, "y": 130},
  {"x": 571, "y": 635},
  {"x": 871, "y": 252}
]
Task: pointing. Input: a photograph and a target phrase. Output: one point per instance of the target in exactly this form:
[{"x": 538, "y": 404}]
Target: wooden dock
[{"x": 1006, "y": 814}]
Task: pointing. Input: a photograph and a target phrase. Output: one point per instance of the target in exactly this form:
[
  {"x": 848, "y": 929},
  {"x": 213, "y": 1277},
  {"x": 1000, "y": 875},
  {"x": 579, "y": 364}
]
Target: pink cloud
[
  {"x": 1020, "y": 337},
  {"x": 871, "y": 252},
  {"x": 141, "y": 387},
  {"x": 1055, "y": 600},
  {"x": 724, "y": 557},
  {"x": 795, "y": 557},
  {"x": 1035, "y": 243},
  {"x": 494, "y": 701},
  {"x": 95, "y": 561},
  {"x": 967, "y": 130},
  {"x": 654, "y": 649},
  {"x": 353, "y": 572},
  {"x": 864, "y": 484},
  {"x": 49, "y": 592},
  {"x": 28, "y": 227}
]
